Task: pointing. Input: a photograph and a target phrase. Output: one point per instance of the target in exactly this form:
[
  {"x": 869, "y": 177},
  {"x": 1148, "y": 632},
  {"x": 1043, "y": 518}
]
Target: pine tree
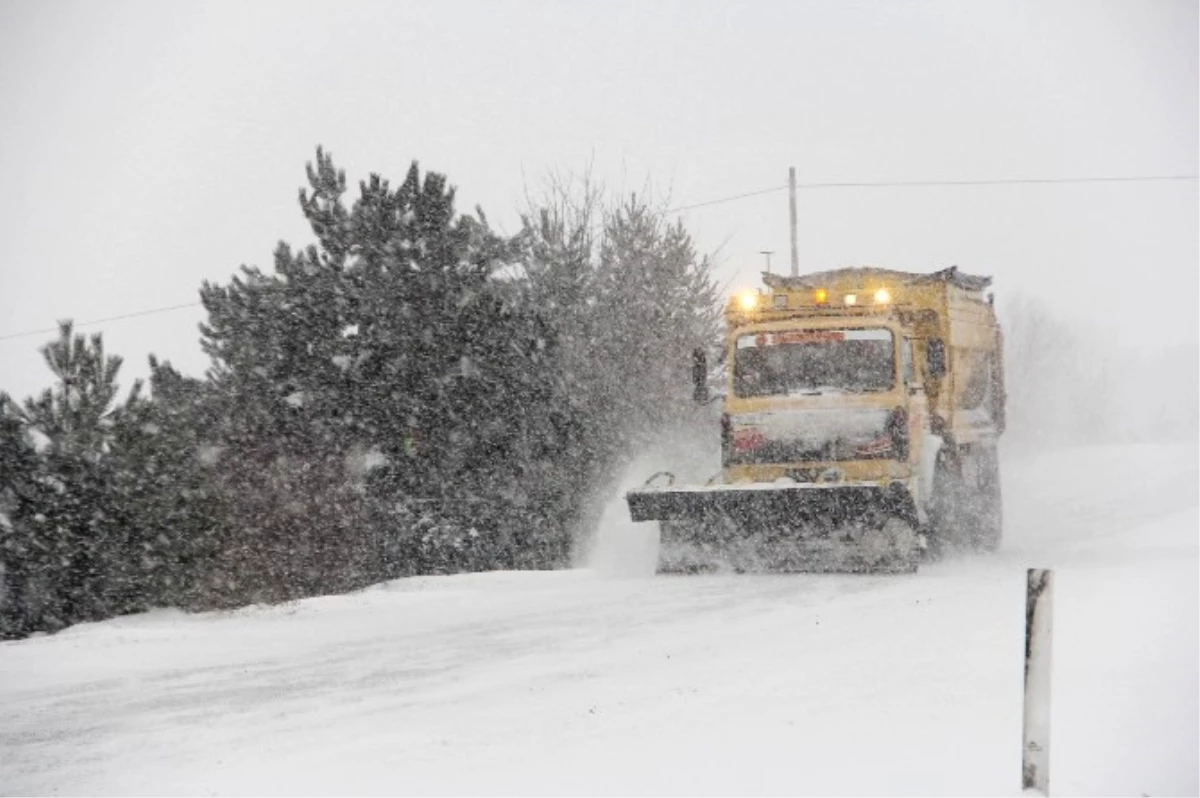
[
  {"x": 21, "y": 555},
  {"x": 627, "y": 299},
  {"x": 76, "y": 415},
  {"x": 659, "y": 305},
  {"x": 74, "y": 530},
  {"x": 168, "y": 492},
  {"x": 389, "y": 337}
]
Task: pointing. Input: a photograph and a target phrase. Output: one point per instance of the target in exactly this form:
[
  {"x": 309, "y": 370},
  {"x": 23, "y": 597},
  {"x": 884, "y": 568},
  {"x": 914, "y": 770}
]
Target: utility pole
[
  {"x": 768, "y": 253},
  {"x": 792, "y": 193}
]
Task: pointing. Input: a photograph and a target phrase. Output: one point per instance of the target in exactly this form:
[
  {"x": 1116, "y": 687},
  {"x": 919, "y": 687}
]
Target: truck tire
[
  {"x": 966, "y": 510},
  {"x": 945, "y": 522},
  {"x": 989, "y": 521}
]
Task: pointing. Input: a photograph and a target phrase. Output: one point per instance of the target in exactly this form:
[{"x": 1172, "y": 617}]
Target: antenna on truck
[
  {"x": 792, "y": 208},
  {"x": 768, "y": 253}
]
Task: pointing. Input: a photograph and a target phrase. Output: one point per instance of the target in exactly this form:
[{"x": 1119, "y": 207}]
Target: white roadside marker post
[{"x": 1039, "y": 612}]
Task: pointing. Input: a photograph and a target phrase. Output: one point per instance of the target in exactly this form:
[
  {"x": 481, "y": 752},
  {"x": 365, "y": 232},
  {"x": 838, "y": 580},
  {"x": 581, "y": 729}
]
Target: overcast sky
[{"x": 150, "y": 146}]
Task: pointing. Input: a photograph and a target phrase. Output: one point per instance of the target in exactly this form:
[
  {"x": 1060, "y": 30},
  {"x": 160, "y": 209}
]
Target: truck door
[{"x": 920, "y": 449}]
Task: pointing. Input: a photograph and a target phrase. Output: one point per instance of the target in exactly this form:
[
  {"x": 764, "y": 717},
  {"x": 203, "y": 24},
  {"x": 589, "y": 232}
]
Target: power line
[
  {"x": 937, "y": 183},
  {"x": 726, "y": 199},
  {"x": 29, "y": 333},
  {"x": 1001, "y": 182}
]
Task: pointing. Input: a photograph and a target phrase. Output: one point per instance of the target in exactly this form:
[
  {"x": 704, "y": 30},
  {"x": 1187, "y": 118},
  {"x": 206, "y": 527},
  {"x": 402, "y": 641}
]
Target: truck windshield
[{"x": 814, "y": 362}]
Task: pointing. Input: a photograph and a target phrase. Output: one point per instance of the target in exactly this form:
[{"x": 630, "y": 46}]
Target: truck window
[{"x": 813, "y": 362}]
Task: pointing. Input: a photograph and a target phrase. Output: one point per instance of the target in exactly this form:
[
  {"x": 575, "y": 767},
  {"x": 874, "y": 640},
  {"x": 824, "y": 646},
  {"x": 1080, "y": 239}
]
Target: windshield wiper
[{"x": 819, "y": 390}]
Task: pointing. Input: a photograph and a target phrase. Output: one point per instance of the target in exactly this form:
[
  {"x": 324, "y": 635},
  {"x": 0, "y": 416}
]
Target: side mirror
[
  {"x": 935, "y": 354},
  {"x": 699, "y": 376}
]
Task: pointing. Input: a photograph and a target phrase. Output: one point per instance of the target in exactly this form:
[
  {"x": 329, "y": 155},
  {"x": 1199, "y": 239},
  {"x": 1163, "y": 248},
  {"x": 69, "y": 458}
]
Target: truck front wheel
[
  {"x": 966, "y": 507},
  {"x": 989, "y": 526}
]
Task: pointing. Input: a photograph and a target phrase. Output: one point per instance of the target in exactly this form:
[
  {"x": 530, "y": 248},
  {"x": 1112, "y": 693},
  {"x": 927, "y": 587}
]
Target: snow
[
  {"x": 812, "y": 429},
  {"x": 604, "y": 680},
  {"x": 39, "y": 439},
  {"x": 209, "y": 455}
]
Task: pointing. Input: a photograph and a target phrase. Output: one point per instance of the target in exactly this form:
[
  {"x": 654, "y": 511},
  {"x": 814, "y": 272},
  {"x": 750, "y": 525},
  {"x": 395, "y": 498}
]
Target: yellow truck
[{"x": 862, "y": 411}]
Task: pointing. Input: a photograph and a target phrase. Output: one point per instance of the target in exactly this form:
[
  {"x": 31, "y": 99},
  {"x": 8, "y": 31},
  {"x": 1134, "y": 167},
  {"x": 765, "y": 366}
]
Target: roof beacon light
[
  {"x": 822, "y": 296},
  {"x": 850, "y": 299},
  {"x": 882, "y": 296},
  {"x": 748, "y": 300}
]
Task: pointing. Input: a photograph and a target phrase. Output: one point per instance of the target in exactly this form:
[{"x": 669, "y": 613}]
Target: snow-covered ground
[{"x": 605, "y": 680}]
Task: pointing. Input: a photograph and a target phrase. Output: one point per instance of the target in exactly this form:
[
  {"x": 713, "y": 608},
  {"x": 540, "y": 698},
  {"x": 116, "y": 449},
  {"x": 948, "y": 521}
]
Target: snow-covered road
[{"x": 590, "y": 681}]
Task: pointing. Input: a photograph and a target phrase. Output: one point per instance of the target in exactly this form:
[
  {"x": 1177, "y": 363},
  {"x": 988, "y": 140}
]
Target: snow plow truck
[{"x": 862, "y": 410}]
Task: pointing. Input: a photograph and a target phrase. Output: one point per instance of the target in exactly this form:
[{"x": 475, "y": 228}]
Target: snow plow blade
[
  {"x": 836, "y": 527},
  {"x": 757, "y": 501}
]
